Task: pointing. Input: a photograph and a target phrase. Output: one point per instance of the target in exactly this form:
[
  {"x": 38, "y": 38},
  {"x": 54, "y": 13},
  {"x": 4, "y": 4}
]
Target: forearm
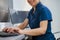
[
  {"x": 22, "y": 26},
  {"x": 33, "y": 32}
]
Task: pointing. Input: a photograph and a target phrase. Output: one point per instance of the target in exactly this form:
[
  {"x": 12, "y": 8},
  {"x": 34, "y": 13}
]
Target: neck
[{"x": 34, "y": 8}]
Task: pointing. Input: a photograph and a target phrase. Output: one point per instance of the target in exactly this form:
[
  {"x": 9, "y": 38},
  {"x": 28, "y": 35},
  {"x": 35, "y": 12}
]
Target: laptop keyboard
[{"x": 4, "y": 34}]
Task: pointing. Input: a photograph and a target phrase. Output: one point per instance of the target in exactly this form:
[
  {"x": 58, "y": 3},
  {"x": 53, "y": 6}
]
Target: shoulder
[
  {"x": 45, "y": 11},
  {"x": 45, "y": 14},
  {"x": 42, "y": 8}
]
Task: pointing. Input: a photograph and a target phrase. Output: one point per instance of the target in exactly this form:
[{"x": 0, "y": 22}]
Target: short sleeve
[
  {"x": 45, "y": 15},
  {"x": 28, "y": 15}
]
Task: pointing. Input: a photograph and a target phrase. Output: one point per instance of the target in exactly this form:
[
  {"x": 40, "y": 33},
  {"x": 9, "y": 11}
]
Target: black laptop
[{"x": 4, "y": 34}]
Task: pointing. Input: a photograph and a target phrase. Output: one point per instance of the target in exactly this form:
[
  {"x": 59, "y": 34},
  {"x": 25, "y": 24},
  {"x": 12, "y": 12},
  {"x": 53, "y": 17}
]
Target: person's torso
[{"x": 34, "y": 22}]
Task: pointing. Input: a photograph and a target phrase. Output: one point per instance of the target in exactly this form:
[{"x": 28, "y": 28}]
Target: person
[{"x": 39, "y": 20}]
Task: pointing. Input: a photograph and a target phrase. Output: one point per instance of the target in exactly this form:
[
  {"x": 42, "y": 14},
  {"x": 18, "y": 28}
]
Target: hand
[{"x": 11, "y": 30}]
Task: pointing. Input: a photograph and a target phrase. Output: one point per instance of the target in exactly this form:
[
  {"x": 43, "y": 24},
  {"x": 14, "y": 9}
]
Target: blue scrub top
[{"x": 42, "y": 13}]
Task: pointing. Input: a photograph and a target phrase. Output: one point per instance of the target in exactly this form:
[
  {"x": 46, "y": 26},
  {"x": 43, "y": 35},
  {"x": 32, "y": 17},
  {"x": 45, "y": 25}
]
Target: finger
[
  {"x": 9, "y": 29},
  {"x": 16, "y": 30},
  {"x": 5, "y": 29}
]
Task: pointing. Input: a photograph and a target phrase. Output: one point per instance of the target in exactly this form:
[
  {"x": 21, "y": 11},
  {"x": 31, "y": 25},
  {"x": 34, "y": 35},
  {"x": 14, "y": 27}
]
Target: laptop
[{"x": 2, "y": 21}]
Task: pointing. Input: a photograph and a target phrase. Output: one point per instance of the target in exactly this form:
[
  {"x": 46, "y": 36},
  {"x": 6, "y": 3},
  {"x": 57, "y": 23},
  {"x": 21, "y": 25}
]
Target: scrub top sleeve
[
  {"x": 28, "y": 16},
  {"x": 45, "y": 15}
]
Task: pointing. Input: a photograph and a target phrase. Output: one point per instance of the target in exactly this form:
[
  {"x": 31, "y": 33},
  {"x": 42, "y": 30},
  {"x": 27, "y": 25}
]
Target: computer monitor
[
  {"x": 17, "y": 16},
  {"x": 4, "y": 16}
]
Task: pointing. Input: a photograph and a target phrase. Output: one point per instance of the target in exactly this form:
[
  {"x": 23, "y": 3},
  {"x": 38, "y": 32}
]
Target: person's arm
[
  {"x": 13, "y": 29},
  {"x": 23, "y": 24},
  {"x": 38, "y": 31}
]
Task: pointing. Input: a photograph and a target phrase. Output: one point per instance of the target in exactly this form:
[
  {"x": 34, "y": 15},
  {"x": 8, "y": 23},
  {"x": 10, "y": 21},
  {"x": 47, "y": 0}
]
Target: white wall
[
  {"x": 3, "y": 4},
  {"x": 10, "y": 3},
  {"x": 21, "y": 5}
]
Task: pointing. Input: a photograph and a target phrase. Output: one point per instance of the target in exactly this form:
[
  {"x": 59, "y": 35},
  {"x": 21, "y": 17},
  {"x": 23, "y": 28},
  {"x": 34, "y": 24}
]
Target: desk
[{"x": 20, "y": 37}]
